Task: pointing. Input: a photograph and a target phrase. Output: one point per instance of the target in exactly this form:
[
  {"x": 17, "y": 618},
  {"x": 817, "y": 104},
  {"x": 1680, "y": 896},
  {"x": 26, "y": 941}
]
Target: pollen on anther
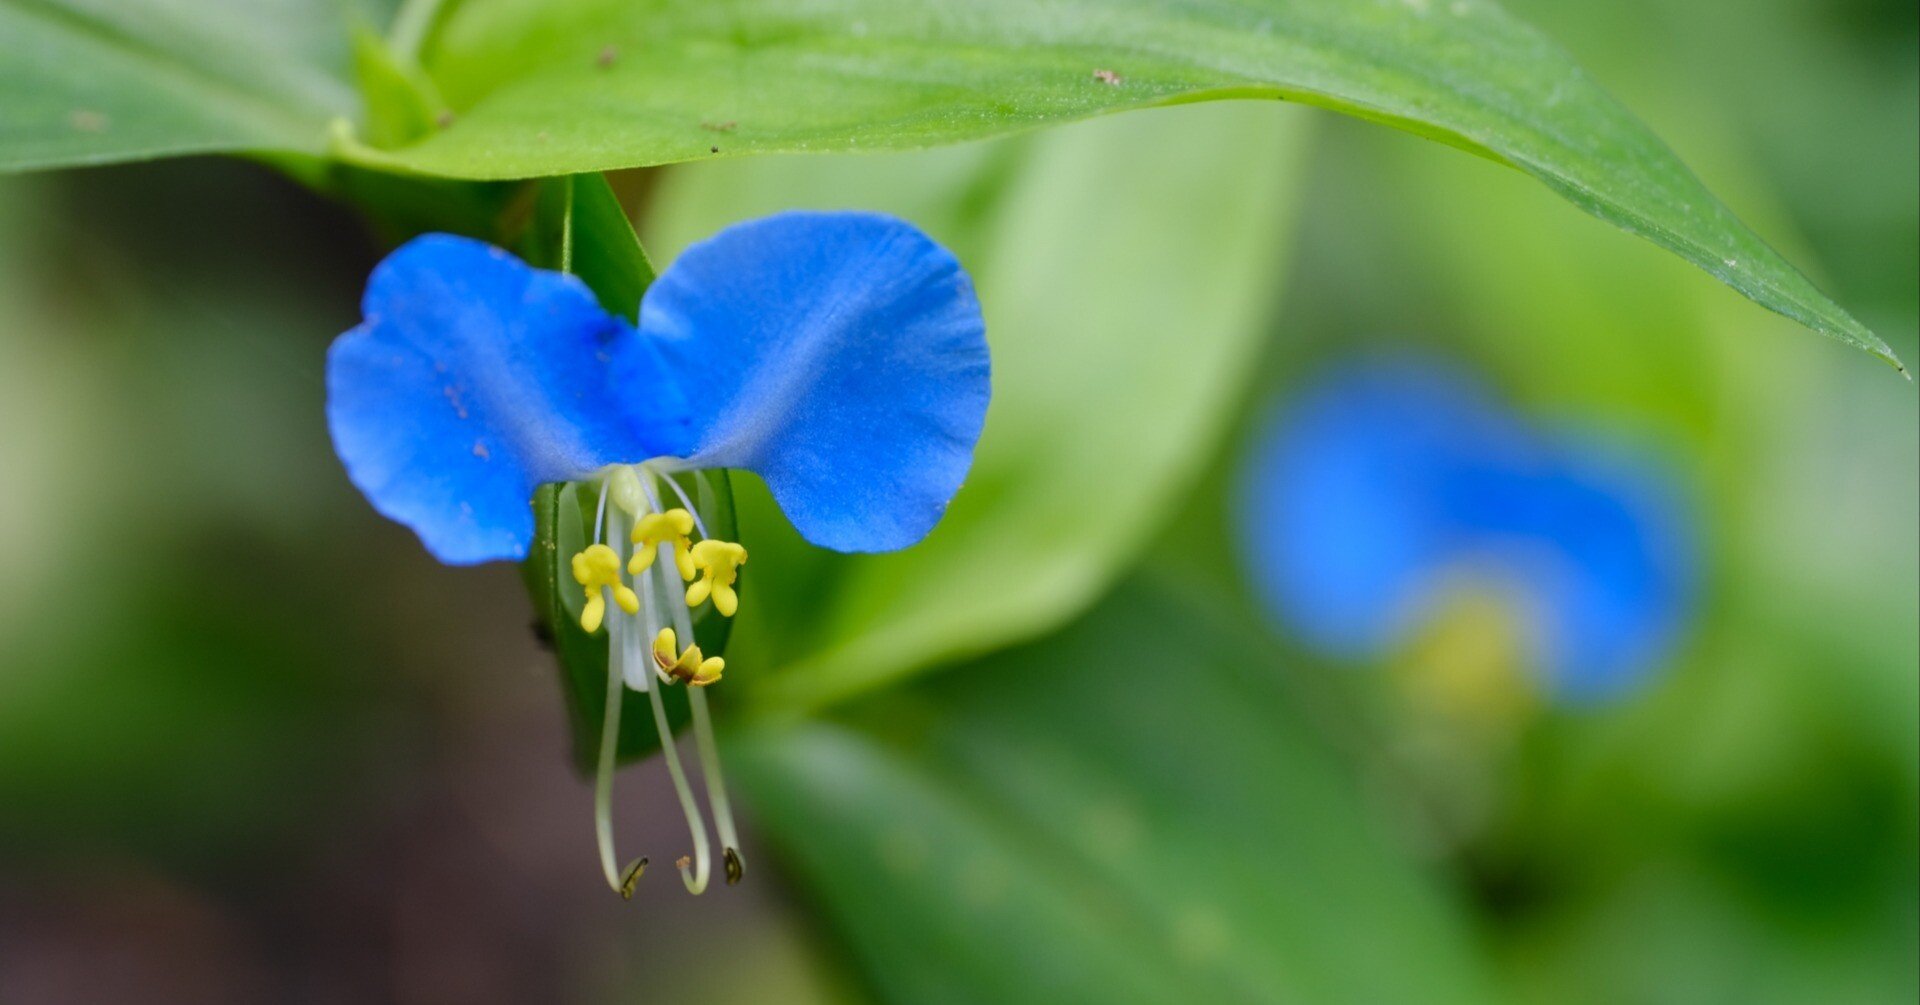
[
  {"x": 719, "y": 561},
  {"x": 655, "y": 529},
  {"x": 597, "y": 569}
]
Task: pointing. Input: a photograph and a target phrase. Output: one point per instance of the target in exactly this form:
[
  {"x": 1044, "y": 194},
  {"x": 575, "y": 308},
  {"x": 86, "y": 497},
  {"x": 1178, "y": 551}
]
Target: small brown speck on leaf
[
  {"x": 606, "y": 57},
  {"x": 713, "y": 150},
  {"x": 444, "y": 119},
  {"x": 87, "y": 120},
  {"x": 1107, "y": 77},
  {"x": 720, "y": 127}
]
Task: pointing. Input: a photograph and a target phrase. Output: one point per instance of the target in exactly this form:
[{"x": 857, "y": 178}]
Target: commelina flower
[
  {"x": 839, "y": 356},
  {"x": 1389, "y": 494}
]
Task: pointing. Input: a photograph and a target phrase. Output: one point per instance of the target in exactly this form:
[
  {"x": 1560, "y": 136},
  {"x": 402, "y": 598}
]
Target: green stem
[
  {"x": 409, "y": 29},
  {"x": 566, "y": 231}
]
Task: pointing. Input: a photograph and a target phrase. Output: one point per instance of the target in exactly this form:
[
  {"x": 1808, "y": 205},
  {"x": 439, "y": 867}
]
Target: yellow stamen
[
  {"x": 655, "y": 529},
  {"x": 595, "y": 569},
  {"x": 689, "y": 666},
  {"x": 721, "y": 562}
]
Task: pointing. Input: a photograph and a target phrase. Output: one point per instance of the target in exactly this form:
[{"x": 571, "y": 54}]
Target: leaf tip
[{"x": 1885, "y": 352}]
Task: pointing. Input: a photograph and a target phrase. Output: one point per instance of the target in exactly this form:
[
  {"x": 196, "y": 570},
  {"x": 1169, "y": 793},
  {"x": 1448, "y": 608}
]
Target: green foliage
[
  {"x": 98, "y": 81},
  {"x": 1134, "y": 811},
  {"x": 1118, "y": 354},
  {"x": 535, "y": 87},
  {"x": 272, "y": 708}
]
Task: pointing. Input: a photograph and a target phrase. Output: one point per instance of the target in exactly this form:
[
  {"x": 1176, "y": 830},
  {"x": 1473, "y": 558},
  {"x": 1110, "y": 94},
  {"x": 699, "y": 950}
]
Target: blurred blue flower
[
  {"x": 840, "y": 356},
  {"x": 1384, "y": 487}
]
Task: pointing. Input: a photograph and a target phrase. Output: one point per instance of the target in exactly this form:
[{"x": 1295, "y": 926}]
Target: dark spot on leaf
[{"x": 713, "y": 150}]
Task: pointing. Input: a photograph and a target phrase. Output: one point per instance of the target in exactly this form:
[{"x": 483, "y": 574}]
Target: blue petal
[
  {"x": 1342, "y": 514},
  {"x": 1616, "y": 606},
  {"x": 840, "y": 356},
  {"x": 1373, "y": 485},
  {"x": 475, "y": 377}
]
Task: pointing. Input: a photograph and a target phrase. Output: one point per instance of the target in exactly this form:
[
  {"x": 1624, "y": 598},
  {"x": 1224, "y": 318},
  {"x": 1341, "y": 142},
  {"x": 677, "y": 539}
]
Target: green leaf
[
  {"x": 540, "y": 87},
  {"x": 1132, "y": 811},
  {"x": 545, "y": 87},
  {"x": 97, "y": 81},
  {"x": 1128, "y": 269}
]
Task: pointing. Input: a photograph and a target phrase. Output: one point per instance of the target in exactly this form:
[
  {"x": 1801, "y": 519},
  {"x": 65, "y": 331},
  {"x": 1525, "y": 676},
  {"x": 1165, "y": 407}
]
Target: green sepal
[{"x": 579, "y": 226}]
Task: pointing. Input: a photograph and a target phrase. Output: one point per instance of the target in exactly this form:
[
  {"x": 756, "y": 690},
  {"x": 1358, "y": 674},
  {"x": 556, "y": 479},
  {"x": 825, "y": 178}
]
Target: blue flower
[
  {"x": 839, "y": 356},
  {"x": 1385, "y": 486}
]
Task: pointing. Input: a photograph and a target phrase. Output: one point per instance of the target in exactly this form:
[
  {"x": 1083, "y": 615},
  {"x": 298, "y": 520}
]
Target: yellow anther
[
  {"x": 721, "y": 562},
  {"x": 655, "y": 529},
  {"x": 597, "y": 568},
  {"x": 688, "y": 666}
]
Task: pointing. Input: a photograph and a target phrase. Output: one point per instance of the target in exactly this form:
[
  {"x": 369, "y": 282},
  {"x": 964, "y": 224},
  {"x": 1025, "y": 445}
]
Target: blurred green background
[{"x": 256, "y": 745}]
